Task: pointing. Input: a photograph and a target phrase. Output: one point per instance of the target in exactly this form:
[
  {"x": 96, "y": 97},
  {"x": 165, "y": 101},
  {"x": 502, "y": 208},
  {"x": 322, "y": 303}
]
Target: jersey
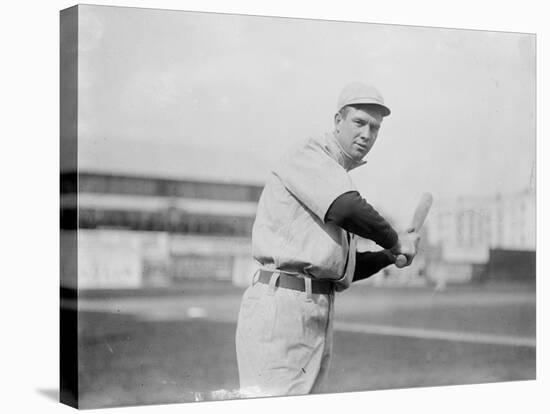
[{"x": 290, "y": 233}]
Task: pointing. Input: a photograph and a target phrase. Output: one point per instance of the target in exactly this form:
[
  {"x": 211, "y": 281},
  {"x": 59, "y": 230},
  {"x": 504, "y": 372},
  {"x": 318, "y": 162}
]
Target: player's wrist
[
  {"x": 396, "y": 249},
  {"x": 391, "y": 257}
]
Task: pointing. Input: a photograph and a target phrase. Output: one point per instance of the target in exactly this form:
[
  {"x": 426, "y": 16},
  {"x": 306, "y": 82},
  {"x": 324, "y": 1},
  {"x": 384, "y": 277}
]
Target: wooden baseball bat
[{"x": 418, "y": 219}]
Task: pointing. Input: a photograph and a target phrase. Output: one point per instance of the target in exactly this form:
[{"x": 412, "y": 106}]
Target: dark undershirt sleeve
[
  {"x": 370, "y": 263},
  {"x": 352, "y": 213}
]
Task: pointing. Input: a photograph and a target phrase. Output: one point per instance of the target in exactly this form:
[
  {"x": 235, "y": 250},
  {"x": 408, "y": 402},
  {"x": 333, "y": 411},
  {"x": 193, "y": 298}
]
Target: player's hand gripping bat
[{"x": 419, "y": 216}]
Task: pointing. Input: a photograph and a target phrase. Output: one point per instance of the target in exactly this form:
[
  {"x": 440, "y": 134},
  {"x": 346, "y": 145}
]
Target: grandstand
[{"x": 136, "y": 231}]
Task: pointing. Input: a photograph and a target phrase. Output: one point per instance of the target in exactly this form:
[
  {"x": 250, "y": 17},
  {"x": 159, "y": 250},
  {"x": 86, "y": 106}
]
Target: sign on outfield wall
[{"x": 108, "y": 260}]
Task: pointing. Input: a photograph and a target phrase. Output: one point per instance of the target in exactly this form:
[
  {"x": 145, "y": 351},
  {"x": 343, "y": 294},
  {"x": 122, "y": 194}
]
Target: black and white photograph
[
  {"x": 281, "y": 206},
  {"x": 264, "y": 206}
]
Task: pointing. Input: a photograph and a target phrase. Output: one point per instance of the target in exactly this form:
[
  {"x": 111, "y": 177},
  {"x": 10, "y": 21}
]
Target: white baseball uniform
[{"x": 284, "y": 337}]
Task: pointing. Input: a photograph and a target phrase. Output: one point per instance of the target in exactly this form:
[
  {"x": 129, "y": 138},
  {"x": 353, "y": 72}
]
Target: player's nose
[{"x": 366, "y": 134}]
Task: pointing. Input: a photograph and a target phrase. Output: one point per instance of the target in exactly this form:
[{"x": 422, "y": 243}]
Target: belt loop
[
  {"x": 307, "y": 282},
  {"x": 272, "y": 282}
]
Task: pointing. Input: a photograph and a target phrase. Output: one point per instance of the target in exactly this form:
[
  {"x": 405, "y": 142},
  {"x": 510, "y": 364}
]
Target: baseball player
[{"x": 304, "y": 238}]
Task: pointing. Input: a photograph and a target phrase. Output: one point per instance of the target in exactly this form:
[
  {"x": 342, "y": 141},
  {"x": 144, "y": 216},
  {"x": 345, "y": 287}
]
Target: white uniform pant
[{"x": 283, "y": 341}]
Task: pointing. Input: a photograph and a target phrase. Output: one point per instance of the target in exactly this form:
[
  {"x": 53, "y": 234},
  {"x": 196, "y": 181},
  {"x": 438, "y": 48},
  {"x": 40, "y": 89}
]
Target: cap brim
[{"x": 385, "y": 110}]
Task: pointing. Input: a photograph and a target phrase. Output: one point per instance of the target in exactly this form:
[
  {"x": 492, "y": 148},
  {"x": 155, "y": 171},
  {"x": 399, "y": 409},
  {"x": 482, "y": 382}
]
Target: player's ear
[{"x": 337, "y": 120}]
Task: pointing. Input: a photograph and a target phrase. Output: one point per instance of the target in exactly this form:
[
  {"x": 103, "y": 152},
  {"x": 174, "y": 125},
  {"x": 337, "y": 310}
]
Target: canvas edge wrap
[{"x": 68, "y": 96}]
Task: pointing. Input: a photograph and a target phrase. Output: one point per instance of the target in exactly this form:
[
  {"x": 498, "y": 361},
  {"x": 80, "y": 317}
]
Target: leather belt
[{"x": 296, "y": 283}]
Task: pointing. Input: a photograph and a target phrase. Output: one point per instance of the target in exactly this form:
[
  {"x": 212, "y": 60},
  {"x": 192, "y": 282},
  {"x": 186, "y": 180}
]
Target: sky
[{"x": 221, "y": 97}]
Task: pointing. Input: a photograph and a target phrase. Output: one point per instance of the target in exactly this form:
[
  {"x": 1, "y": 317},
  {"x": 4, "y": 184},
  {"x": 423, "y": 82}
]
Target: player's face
[{"x": 358, "y": 130}]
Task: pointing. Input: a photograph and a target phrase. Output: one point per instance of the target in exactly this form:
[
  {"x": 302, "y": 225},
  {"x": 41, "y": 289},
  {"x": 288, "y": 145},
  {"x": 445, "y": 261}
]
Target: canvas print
[{"x": 258, "y": 206}]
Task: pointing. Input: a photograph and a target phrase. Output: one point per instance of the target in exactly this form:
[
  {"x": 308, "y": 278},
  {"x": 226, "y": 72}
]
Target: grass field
[{"x": 169, "y": 348}]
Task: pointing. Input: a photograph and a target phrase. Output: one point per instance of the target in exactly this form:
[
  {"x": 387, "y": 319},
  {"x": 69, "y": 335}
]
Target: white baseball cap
[{"x": 358, "y": 93}]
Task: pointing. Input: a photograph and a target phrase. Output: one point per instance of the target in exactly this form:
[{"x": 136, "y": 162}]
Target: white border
[{"x": 30, "y": 73}]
